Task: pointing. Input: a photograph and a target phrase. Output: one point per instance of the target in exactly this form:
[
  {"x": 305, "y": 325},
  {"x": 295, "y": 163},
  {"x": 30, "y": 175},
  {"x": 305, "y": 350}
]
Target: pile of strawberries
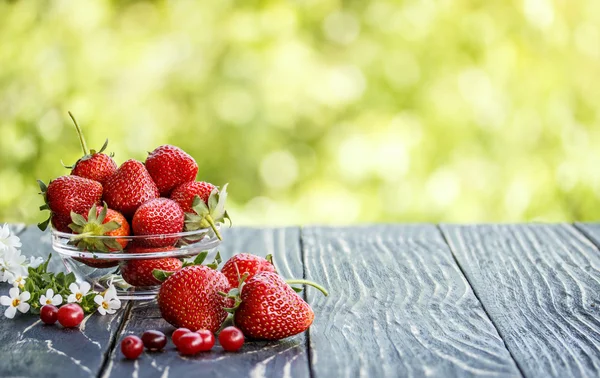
[{"x": 157, "y": 197}]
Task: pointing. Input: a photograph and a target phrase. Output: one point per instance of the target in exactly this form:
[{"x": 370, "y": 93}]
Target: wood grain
[
  {"x": 540, "y": 284},
  {"x": 287, "y": 358},
  {"x": 28, "y": 348},
  {"x": 398, "y": 306}
]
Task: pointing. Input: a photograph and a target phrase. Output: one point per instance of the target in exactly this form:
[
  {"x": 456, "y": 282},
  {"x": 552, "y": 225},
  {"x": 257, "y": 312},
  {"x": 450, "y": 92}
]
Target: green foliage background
[{"x": 316, "y": 111}]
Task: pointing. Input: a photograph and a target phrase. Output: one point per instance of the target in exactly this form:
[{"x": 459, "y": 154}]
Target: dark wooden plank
[
  {"x": 540, "y": 285},
  {"x": 399, "y": 306},
  {"x": 287, "y": 358},
  {"x": 591, "y": 231},
  {"x": 30, "y": 349}
]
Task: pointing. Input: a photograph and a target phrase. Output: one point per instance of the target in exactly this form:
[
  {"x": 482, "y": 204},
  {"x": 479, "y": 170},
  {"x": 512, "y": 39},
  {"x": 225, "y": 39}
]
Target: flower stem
[{"x": 309, "y": 283}]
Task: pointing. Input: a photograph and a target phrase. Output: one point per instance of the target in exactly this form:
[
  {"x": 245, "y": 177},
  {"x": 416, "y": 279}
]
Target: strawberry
[
  {"x": 190, "y": 298},
  {"x": 129, "y": 187},
  {"x": 100, "y": 222},
  {"x": 68, "y": 194},
  {"x": 245, "y": 264},
  {"x": 156, "y": 217},
  {"x": 139, "y": 272},
  {"x": 169, "y": 167},
  {"x": 184, "y": 194},
  {"x": 203, "y": 208},
  {"x": 270, "y": 309},
  {"x": 92, "y": 165}
]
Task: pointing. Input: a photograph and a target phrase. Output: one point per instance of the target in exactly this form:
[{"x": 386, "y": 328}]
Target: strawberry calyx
[
  {"x": 162, "y": 275},
  {"x": 87, "y": 154},
  {"x": 85, "y": 229},
  {"x": 208, "y": 215},
  {"x": 43, "y": 192}
]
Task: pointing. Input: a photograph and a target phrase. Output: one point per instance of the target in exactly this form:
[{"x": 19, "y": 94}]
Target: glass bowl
[{"x": 100, "y": 269}]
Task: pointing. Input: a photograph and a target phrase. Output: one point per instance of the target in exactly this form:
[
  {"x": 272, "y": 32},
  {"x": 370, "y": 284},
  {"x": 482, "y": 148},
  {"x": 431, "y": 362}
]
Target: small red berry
[
  {"x": 132, "y": 346},
  {"x": 49, "y": 314},
  {"x": 177, "y": 335},
  {"x": 231, "y": 339},
  {"x": 154, "y": 340},
  {"x": 70, "y": 315},
  {"x": 208, "y": 339},
  {"x": 190, "y": 344}
]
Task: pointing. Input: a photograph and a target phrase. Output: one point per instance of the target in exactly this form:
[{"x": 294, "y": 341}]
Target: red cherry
[
  {"x": 177, "y": 335},
  {"x": 70, "y": 315},
  {"x": 131, "y": 347},
  {"x": 190, "y": 344},
  {"x": 208, "y": 339},
  {"x": 231, "y": 339},
  {"x": 49, "y": 314},
  {"x": 154, "y": 340}
]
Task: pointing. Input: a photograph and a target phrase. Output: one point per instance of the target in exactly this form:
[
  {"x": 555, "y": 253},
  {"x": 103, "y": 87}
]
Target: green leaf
[
  {"x": 200, "y": 258},
  {"x": 110, "y": 226},
  {"x": 161, "y": 275},
  {"x": 78, "y": 219},
  {"x": 297, "y": 289},
  {"x": 44, "y": 225},
  {"x": 113, "y": 244}
]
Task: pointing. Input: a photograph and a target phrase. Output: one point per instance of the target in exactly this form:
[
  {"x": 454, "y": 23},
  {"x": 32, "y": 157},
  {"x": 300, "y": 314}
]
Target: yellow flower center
[
  {"x": 15, "y": 302},
  {"x": 78, "y": 296},
  {"x": 105, "y": 305},
  {"x": 48, "y": 301}
]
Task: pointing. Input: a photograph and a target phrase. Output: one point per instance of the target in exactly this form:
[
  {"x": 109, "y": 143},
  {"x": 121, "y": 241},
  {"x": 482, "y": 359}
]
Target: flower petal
[
  {"x": 115, "y": 303},
  {"x": 110, "y": 311},
  {"x": 23, "y": 307},
  {"x": 98, "y": 299},
  {"x": 71, "y": 298},
  {"x": 74, "y": 288},
  {"x": 57, "y": 300},
  {"x": 84, "y": 288},
  {"x": 14, "y": 292},
  {"x": 101, "y": 310},
  {"x": 25, "y": 296},
  {"x": 43, "y": 300},
  {"x": 5, "y": 301},
  {"x": 49, "y": 293},
  {"x": 10, "y": 312}
]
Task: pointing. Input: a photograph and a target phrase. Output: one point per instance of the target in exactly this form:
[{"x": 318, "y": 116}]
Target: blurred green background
[{"x": 316, "y": 111}]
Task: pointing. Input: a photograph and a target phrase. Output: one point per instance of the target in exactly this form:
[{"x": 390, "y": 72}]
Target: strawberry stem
[
  {"x": 309, "y": 283},
  {"x": 81, "y": 138},
  {"x": 210, "y": 221}
]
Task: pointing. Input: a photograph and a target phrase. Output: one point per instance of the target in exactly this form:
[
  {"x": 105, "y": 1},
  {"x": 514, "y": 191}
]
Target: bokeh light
[{"x": 316, "y": 111}]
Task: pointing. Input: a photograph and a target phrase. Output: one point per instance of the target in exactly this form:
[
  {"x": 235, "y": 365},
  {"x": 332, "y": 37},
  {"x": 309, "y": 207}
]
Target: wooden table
[{"x": 406, "y": 300}]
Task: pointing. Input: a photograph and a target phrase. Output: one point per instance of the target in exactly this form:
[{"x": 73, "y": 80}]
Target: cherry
[
  {"x": 208, "y": 339},
  {"x": 190, "y": 344},
  {"x": 154, "y": 340},
  {"x": 231, "y": 339},
  {"x": 70, "y": 315},
  {"x": 49, "y": 314},
  {"x": 131, "y": 347},
  {"x": 177, "y": 335}
]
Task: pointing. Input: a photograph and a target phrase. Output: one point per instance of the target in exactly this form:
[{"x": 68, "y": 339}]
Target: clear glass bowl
[{"x": 100, "y": 269}]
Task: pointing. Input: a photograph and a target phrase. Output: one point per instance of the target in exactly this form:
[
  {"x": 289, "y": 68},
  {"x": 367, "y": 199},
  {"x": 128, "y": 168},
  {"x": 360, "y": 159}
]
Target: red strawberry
[
  {"x": 93, "y": 165},
  {"x": 68, "y": 194},
  {"x": 190, "y": 298},
  {"x": 139, "y": 272},
  {"x": 245, "y": 263},
  {"x": 170, "y": 166},
  {"x": 203, "y": 208},
  {"x": 184, "y": 194},
  {"x": 129, "y": 187},
  {"x": 100, "y": 222},
  {"x": 96, "y": 166},
  {"x": 270, "y": 309},
  {"x": 156, "y": 217}
]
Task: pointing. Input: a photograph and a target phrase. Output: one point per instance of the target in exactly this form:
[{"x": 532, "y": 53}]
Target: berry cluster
[
  {"x": 157, "y": 197},
  {"x": 188, "y": 343}
]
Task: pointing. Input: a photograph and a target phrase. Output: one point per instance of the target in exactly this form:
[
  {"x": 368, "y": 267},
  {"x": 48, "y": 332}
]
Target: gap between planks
[
  {"x": 500, "y": 333},
  {"x": 113, "y": 343}
]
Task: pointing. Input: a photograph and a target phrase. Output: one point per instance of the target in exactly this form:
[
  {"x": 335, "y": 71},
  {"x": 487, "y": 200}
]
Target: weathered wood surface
[
  {"x": 399, "y": 306},
  {"x": 287, "y": 358},
  {"x": 28, "y": 348},
  {"x": 540, "y": 284}
]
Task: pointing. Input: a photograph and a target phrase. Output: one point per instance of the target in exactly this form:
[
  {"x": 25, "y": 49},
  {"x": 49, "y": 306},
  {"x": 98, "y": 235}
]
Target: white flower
[
  {"x": 78, "y": 292},
  {"x": 50, "y": 298},
  {"x": 15, "y": 302},
  {"x": 34, "y": 262},
  {"x": 11, "y": 264},
  {"x": 109, "y": 303},
  {"x": 18, "y": 280},
  {"x": 7, "y": 240}
]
